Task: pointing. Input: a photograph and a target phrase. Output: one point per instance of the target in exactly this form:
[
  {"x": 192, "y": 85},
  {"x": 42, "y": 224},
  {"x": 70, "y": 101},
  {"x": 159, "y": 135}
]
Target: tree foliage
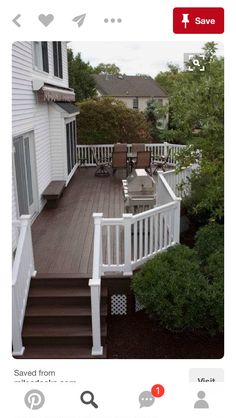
[
  {"x": 80, "y": 77},
  {"x": 111, "y": 69},
  {"x": 105, "y": 121},
  {"x": 197, "y": 118},
  {"x": 155, "y": 114}
]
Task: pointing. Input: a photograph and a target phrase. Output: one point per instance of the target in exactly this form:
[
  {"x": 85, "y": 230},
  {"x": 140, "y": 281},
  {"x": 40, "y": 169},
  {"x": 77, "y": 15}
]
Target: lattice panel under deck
[{"x": 118, "y": 304}]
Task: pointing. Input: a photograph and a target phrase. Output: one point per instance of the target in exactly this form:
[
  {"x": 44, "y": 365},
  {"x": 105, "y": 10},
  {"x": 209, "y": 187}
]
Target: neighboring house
[
  {"x": 134, "y": 91},
  {"x": 43, "y": 123}
]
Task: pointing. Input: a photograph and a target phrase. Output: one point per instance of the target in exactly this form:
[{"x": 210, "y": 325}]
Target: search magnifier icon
[
  {"x": 196, "y": 62},
  {"x": 87, "y": 398}
]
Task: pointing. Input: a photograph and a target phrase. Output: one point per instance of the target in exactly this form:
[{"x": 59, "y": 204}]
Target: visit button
[{"x": 198, "y": 20}]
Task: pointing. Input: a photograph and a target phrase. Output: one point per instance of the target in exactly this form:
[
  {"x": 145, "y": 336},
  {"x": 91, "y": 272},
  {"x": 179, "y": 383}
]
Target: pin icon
[{"x": 185, "y": 19}]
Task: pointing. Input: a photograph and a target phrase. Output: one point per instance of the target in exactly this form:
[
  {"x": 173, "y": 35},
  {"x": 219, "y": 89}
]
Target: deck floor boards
[{"x": 63, "y": 237}]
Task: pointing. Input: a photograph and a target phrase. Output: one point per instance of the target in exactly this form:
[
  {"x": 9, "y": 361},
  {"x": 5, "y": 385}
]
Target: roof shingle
[{"x": 128, "y": 85}]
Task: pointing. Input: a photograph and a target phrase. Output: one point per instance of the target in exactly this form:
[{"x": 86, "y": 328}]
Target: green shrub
[
  {"x": 175, "y": 288},
  {"x": 106, "y": 121},
  {"x": 172, "y": 287},
  {"x": 209, "y": 238}
]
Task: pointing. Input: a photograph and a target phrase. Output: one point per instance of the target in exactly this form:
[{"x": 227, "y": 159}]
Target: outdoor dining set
[{"x": 122, "y": 157}]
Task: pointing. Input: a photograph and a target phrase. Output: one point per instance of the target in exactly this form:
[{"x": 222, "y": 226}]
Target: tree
[
  {"x": 197, "y": 118},
  {"x": 106, "y": 121},
  {"x": 80, "y": 77},
  {"x": 111, "y": 69},
  {"x": 155, "y": 114}
]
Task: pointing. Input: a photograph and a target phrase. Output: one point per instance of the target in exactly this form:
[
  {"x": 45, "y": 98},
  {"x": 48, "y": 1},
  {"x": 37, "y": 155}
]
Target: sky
[{"x": 137, "y": 57}]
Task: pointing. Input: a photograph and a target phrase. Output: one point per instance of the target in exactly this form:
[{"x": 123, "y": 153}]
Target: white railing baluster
[
  {"x": 151, "y": 235},
  {"x": 140, "y": 239},
  {"x": 146, "y": 237},
  {"x": 117, "y": 244},
  {"x": 135, "y": 240},
  {"x": 108, "y": 245}
]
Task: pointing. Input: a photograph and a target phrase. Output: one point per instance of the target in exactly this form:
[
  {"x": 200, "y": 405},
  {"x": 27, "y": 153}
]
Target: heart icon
[{"x": 46, "y": 19}]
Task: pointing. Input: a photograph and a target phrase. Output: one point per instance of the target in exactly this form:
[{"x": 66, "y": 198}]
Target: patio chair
[
  {"x": 102, "y": 165},
  {"x": 120, "y": 147},
  {"x": 161, "y": 163},
  {"x": 144, "y": 160},
  {"x": 119, "y": 160},
  {"x": 138, "y": 147}
]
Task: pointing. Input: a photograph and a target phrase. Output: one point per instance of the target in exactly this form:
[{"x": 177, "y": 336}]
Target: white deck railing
[
  {"x": 180, "y": 181},
  {"x": 23, "y": 270},
  {"x": 104, "y": 152},
  {"x": 123, "y": 244}
]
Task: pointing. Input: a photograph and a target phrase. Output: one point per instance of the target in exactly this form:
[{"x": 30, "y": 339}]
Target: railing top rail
[
  {"x": 168, "y": 188},
  {"x": 112, "y": 221},
  {"x": 153, "y": 211},
  {"x": 149, "y": 145}
]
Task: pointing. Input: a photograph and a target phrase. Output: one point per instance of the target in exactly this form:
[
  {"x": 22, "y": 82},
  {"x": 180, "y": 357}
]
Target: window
[
  {"x": 57, "y": 59},
  {"x": 160, "y": 101},
  {"x": 71, "y": 145},
  {"x": 40, "y": 55},
  {"x": 135, "y": 103}
]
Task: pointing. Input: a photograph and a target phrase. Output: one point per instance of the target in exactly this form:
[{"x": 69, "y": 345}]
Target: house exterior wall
[
  {"x": 30, "y": 116},
  {"x": 58, "y": 153},
  {"x": 128, "y": 101}
]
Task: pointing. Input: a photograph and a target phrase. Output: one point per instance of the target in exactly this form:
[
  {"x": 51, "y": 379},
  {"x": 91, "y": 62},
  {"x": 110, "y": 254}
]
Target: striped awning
[{"x": 49, "y": 93}]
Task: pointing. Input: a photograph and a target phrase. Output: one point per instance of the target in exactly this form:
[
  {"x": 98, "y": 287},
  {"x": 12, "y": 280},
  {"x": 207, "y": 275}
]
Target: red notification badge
[{"x": 158, "y": 391}]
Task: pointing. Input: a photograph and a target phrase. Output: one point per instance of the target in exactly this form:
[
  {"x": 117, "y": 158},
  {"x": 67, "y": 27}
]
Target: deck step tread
[
  {"x": 64, "y": 291},
  {"x": 60, "y": 311},
  {"x": 60, "y": 330}
]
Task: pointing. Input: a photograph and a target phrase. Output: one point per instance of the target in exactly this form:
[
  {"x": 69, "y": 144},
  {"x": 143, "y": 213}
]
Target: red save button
[{"x": 198, "y": 20}]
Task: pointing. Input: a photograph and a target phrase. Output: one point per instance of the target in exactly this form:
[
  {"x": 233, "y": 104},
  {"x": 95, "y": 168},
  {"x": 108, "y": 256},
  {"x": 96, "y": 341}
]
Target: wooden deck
[{"x": 63, "y": 237}]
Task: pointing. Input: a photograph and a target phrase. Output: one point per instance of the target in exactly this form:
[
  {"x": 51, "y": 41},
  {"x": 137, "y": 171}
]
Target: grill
[{"x": 139, "y": 191}]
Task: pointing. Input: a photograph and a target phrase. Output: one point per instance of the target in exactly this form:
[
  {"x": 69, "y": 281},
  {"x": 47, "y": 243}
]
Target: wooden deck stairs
[{"x": 58, "y": 318}]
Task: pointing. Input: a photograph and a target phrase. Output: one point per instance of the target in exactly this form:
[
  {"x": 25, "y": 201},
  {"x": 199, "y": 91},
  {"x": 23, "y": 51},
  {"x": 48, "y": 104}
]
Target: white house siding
[
  {"x": 27, "y": 114},
  {"x": 128, "y": 101},
  {"x": 58, "y": 144}
]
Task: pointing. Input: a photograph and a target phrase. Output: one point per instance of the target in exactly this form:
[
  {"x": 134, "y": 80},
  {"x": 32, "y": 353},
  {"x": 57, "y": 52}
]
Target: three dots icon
[{"x": 106, "y": 20}]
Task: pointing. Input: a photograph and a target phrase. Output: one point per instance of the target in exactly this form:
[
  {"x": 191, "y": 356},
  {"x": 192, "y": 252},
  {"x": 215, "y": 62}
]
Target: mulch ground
[{"x": 139, "y": 337}]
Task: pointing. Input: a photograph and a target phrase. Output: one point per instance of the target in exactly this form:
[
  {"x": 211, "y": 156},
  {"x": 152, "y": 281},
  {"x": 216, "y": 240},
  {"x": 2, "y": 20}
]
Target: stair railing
[
  {"x": 23, "y": 270},
  {"x": 123, "y": 244}
]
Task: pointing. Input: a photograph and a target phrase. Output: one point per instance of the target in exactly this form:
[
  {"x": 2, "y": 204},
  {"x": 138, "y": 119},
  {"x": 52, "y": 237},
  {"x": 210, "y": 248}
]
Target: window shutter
[
  {"x": 60, "y": 60},
  {"x": 45, "y": 56}
]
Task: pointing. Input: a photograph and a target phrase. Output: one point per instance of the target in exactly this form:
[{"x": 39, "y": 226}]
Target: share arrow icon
[
  {"x": 15, "y": 20},
  {"x": 79, "y": 19}
]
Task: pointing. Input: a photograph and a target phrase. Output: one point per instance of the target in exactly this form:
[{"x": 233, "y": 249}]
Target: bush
[
  {"x": 172, "y": 287},
  {"x": 209, "y": 238},
  {"x": 106, "y": 121},
  {"x": 175, "y": 288}
]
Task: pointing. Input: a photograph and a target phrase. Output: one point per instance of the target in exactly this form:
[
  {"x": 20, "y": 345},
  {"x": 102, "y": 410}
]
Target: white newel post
[
  {"x": 177, "y": 221},
  {"x": 127, "y": 243},
  {"x": 95, "y": 286},
  {"x": 17, "y": 344}
]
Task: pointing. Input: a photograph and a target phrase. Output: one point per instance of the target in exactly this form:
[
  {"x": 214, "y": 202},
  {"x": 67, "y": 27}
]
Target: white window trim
[{"x": 35, "y": 67}]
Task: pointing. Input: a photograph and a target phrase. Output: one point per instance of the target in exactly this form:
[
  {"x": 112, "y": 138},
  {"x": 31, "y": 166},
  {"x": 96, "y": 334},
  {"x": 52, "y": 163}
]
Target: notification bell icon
[{"x": 185, "y": 19}]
